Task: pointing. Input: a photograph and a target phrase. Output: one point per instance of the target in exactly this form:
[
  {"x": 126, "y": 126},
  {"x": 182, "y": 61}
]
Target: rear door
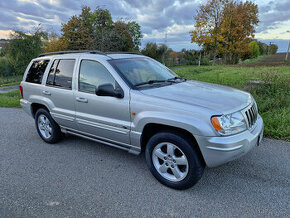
[
  {"x": 106, "y": 118},
  {"x": 58, "y": 89}
]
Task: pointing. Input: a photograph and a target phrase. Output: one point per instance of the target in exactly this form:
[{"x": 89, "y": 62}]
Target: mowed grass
[
  {"x": 10, "y": 99},
  {"x": 273, "y": 98}
]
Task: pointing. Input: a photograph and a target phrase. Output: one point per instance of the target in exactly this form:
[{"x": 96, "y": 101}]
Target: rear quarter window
[{"x": 36, "y": 71}]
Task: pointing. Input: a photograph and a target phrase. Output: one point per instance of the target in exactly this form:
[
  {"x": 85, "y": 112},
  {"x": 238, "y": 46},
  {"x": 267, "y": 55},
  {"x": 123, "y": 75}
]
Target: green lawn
[
  {"x": 10, "y": 99},
  {"x": 273, "y": 98}
]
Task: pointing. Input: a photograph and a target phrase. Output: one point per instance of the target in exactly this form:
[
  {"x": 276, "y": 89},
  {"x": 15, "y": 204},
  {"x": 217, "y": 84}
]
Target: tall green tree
[{"x": 24, "y": 47}]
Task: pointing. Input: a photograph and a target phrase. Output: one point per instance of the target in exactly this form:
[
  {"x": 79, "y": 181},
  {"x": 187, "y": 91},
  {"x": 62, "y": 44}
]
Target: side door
[
  {"x": 58, "y": 89},
  {"x": 103, "y": 117}
]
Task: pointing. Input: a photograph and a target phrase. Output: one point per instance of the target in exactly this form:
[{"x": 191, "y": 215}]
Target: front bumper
[{"x": 222, "y": 149}]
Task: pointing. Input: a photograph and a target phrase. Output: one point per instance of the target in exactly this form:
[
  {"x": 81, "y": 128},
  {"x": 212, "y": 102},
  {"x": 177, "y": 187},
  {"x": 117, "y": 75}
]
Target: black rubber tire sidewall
[
  {"x": 56, "y": 132},
  {"x": 196, "y": 166}
]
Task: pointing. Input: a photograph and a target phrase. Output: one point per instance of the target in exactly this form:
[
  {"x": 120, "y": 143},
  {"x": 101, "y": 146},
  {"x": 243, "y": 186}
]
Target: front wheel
[{"x": 173, "y": 160}]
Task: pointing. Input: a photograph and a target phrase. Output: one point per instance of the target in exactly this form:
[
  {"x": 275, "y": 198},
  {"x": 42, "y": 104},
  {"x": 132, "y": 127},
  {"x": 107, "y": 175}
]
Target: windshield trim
[{"x": 132, "y": 86}]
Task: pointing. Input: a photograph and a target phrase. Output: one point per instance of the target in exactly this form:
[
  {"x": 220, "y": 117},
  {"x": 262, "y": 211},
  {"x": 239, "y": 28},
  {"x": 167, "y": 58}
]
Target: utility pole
[{"x": 286, "y": 58}]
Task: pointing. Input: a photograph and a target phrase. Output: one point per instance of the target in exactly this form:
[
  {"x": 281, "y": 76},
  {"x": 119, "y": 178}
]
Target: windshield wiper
[
  {"x": 176, "y": 78},
  {"x": 151, "y": 82}
]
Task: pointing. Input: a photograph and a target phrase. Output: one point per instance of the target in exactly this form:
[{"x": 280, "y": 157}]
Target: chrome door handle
[
  {"x": 46, "y": 92},
  {"x": 83, "y": 100}
]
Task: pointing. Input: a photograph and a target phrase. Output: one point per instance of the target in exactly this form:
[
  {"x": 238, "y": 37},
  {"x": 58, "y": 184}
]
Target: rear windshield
[{"x": 36, "y": 71}]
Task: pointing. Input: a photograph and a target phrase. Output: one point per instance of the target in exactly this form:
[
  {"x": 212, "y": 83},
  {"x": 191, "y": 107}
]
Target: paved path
[
  {"x": 80, "y": 178},
  {"x": 5, "y": 89}
]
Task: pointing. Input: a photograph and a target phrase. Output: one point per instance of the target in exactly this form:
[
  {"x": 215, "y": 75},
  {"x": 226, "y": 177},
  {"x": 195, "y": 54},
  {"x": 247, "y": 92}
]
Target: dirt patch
[{"x": 272, "y": 60}]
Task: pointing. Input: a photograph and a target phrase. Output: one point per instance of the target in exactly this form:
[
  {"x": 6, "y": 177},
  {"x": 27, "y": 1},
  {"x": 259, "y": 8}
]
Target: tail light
[{"x": 21, "y": 91}]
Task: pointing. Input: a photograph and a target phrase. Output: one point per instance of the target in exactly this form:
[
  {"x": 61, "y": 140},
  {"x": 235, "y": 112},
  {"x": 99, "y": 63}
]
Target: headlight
[{"x": 229, "y": 124}]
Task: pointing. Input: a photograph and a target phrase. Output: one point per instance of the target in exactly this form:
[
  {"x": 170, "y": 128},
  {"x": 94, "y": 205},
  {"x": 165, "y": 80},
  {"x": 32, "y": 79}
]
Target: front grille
[{"x": 252, "y": 114}]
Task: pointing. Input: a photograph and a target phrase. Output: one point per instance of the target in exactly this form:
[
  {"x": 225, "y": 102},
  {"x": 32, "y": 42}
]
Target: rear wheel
[
  {"x": 46, "y": 127},
  {"x": 173, "y": 160}
]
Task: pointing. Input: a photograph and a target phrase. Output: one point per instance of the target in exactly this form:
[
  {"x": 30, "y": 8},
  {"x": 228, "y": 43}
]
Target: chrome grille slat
[{"x": 251, "y": 114}]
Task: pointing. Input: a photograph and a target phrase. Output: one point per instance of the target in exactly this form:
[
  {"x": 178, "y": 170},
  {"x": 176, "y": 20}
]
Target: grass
[
  {"x": 273, "y": 98},
  {"x": 11, "y": 80},
  {"x": 10, "y": 99},
  {"x": 253, "y": 60}
]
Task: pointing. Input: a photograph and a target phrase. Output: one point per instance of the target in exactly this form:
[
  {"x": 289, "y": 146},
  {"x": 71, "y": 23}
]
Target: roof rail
[
  {"x": 72, "y": 52},
  {"x": 123, "y": 52}
]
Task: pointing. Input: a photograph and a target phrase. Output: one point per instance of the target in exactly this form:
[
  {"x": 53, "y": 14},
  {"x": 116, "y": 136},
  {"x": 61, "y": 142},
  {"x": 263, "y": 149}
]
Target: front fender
[{"x": 195, "y": 125}]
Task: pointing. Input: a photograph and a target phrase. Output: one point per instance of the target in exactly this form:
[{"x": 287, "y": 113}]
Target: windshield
[{"x": 142, "y": 71}]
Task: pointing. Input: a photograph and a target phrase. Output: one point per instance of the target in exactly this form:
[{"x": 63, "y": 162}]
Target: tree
[
  {"x": 273, "y": 49},
  {"x": 24, "y": 47},
  {"x": 151, "y": 50},
  {"x": 135, "y": 31},
  {"x": 158, "y": 52},
  {"x": 263, "y": 47},
  {"x": 255, "y": 50},
  {"x": 226, "y": 28},
  {"x": 207, "y": 26},
  {"x": 96, "y": 30},
  {"x": 238, "y": 28}
]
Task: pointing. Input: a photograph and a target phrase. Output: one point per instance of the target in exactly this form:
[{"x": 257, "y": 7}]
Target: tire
[
  {"x": 46, "y": 127},
  {"x": 178, "y": 168}
]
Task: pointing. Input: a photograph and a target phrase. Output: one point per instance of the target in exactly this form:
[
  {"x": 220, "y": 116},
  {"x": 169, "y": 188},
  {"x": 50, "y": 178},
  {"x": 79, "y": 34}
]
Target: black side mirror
[{"x": 108, "y": 90}]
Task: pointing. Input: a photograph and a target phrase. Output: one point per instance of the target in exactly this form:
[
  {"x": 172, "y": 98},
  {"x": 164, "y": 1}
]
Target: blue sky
[{"x": 157, "y": 18}]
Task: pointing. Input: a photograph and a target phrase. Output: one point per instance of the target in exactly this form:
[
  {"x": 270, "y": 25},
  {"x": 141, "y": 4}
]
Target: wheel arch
[
  {"x": 37, "y": 106},
  {"x": 151, "y": 129}
]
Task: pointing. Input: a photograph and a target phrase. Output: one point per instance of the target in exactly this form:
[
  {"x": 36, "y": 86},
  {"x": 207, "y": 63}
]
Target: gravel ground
[{"x": 80, "y": 178}]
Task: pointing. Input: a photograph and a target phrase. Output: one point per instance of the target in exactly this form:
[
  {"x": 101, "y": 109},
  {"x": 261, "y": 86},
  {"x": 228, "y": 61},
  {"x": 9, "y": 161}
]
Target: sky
[{"x": 162, "y": 21}]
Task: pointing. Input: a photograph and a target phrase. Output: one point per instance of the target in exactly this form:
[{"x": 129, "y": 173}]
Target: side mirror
[{"x": 108, "y": 90}]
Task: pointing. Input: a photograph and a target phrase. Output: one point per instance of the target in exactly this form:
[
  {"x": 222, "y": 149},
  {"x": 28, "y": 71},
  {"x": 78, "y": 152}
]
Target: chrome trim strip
[
  {"x": 102, "y": 126},
  {"x": 61, "y": 116}
]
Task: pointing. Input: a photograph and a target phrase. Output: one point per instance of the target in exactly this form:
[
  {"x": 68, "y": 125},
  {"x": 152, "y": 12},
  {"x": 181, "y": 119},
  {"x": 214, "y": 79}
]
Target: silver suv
[{"x": 134, "y": 103}]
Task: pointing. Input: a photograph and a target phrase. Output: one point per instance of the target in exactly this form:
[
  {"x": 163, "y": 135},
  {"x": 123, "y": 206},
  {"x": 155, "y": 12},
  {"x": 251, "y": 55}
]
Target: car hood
[{"x": 221, "y": 99}]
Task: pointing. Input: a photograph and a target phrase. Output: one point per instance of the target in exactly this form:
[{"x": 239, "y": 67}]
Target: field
[
  {"x": 272, "y": 95},
  {"x": 272, "y": 60}
]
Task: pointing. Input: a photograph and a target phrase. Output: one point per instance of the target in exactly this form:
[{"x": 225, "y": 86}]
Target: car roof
[{"x": 103, "y": 56}]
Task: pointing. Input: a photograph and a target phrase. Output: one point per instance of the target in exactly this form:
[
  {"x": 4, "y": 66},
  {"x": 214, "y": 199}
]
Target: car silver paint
[{"x": 187, "y": 105}]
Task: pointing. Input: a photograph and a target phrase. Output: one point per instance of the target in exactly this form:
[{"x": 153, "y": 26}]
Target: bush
[
  {"x": 255, "y": 50},
  {"x": 5, "y": 67}
]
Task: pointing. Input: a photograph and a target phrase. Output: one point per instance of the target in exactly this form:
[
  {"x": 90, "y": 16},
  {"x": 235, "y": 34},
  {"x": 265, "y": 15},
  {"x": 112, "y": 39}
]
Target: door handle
[
  {"x": 83, "y": 100},
  {"x": 46, "y": 92}
]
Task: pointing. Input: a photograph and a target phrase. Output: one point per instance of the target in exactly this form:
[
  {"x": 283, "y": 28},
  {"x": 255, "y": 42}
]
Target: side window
[
  {"x": 93, "y": 74},
  {"x": 50, "y": 78},
  {"x": 61, "y": 72},
  {"x": 36, "y": 71}
]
